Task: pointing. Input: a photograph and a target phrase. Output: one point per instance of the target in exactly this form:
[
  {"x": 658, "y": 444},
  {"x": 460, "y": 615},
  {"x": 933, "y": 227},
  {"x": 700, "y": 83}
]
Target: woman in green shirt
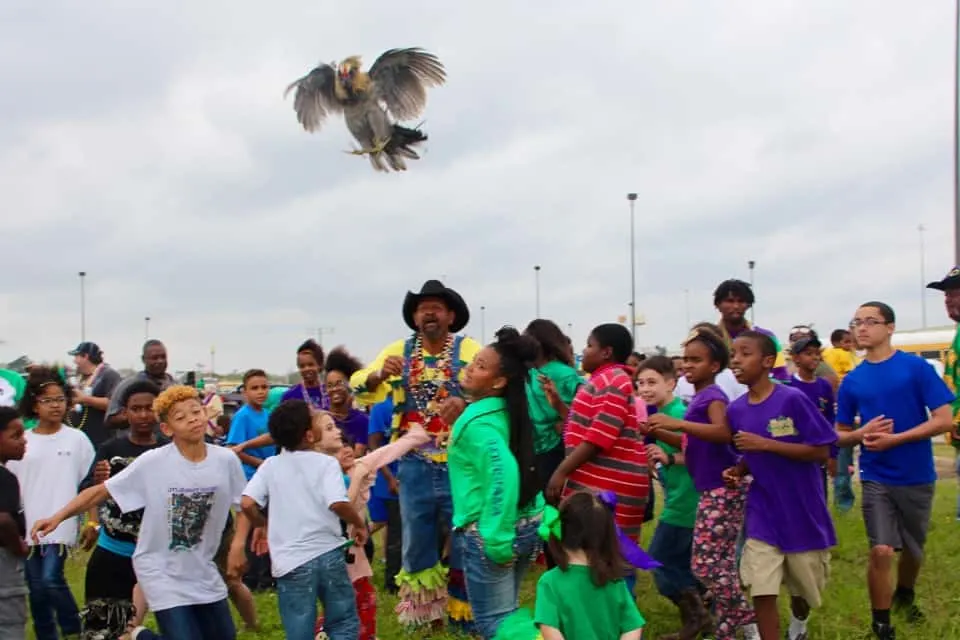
[
  {"x": 553, "y": 384},
  {"x": 497, "y": 502}
]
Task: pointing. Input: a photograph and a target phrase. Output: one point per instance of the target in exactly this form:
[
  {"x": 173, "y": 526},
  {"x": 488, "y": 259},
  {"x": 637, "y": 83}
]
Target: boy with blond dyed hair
[{"x": 186, "y": 489}]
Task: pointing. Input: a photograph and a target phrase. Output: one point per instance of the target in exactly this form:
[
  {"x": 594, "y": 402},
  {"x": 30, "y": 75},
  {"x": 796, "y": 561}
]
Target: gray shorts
[
  {"x": 13, "y": 618},
  {"x": 898, "y": 516}
]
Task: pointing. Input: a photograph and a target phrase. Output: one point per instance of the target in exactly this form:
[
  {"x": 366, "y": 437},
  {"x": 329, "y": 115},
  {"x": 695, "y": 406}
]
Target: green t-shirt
[
  {"x": 569, "y": 601},
  {"x": 566, "y": 379},
  {"x": 680, "y": 505},
  {"x": 951, "y": 374}
]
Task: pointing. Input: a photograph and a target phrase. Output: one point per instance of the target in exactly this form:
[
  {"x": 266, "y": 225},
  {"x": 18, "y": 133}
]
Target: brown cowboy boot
[{"x": 694, "y": 616}]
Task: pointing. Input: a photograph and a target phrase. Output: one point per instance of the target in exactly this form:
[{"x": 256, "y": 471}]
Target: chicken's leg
[{"x": 374, "y": 150}]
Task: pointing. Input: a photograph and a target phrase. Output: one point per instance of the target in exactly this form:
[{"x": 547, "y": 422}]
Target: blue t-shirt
[
  {"x": 248, "y": 423},
  {"x": 381, "y": 421},
  {"x": 903, "y": 388}
]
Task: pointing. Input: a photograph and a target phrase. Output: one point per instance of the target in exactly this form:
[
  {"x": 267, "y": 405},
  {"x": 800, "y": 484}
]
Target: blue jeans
[
  {"x": 672, "y": 547},
  {"x": 324, "y": 578},
  {"x": 494, "y": 589},
  {"x": 194, "y": 622},
  {"x": 50, "y": 597},
  {"x": 842, "y": 483},
  {"x": 425, "y": 506}
]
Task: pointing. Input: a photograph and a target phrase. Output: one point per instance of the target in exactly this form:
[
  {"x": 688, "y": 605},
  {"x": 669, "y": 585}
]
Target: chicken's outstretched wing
[
  {"x": 315, "y": 97},
  {"x": 401, "y": 77}
]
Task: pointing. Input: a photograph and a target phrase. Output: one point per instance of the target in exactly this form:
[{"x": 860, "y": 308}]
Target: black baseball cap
[
  {"x": 950, "y": 281},
  {"x": 805, "y": 342},
  {"x": 89, "y": 349}
]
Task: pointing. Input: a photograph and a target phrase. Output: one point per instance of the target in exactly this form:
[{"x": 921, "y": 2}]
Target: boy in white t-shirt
[
  {"x": 186, "y": 489},
  {"x": 58, "y": 459},
  {"x": 307, "y": 498}
]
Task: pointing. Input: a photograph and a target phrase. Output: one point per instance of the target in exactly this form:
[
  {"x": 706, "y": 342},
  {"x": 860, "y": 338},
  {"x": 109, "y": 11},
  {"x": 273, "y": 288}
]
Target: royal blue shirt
[
  {"x": 381, "y": 421},
  {"x": 903, "y": 388},
  {"x": 247, "y": 424}
]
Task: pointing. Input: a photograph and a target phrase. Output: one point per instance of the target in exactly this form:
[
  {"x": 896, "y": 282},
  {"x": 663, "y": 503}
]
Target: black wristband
[{"x": 671, "y": 459}]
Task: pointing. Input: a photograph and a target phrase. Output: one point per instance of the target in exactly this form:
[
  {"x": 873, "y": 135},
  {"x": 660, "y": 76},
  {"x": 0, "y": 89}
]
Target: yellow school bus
[{"x": 931, "y": 344}]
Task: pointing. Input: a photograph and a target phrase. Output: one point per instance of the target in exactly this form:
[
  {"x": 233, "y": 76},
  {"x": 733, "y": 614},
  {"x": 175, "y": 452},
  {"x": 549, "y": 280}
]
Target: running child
[
  {"x": 307, "y": 499},
  {"x": 186, "y": 489},
  {"x": 785, "y": 440},
  {"x": 57, "y": 461},
  {"x": 13, "y": 530},
  {"x": 360, "y": 475},
  {"x": 673, "y": 538},
  {"x": 707, "y": 452},
  {"x": 110, "y": 578},
  {"x": 585, "y": 596},
  {"x": 806, "y": 357}
]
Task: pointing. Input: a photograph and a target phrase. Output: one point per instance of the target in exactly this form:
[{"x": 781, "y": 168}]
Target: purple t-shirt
[
  {"x": 316, "y": 396},
  {"x": 356, "y": 425},
  {"x": 707, "y": 460},
  {"x": 820, "y": 393},
  {"x": 786, "y": 505}
]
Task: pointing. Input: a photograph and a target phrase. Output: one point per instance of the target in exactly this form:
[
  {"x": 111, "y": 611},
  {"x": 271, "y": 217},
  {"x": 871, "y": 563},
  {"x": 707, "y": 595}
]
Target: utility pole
[
  {"x": 321, "y": 331},
  {"x": 632, "y": 199}
]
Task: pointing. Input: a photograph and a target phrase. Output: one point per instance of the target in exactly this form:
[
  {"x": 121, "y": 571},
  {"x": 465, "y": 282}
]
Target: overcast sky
[{"x": 149, "y": 145}]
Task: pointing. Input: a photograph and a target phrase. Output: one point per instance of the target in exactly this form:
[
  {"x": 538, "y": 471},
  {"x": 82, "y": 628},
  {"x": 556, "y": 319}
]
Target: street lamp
[
  {"x": 483, "y": 324},
  {"x": 146, "y": 328},
  {"x": 83, "y": 307},
  {"x": 956, "y": 138},
  {"x": 751, "y": 264},
  {"x": 632, "y": 199},
  {"x": 321, "y": 331},
  {"x": 536, "y": 278},
  {"x": 923, "y": 277}
]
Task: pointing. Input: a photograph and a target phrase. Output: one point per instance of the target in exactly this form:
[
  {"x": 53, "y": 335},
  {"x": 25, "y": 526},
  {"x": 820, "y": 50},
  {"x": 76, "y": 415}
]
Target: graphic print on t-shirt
[{"x": 188, "y": 510}]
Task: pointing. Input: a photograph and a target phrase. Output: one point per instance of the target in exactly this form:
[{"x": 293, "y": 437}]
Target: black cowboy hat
[
  {"x": 435, "y": 289},
  {"x": 950, "y": 281}
]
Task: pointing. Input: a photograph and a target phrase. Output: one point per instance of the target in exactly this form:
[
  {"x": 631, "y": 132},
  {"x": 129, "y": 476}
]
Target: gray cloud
[{"x": 152, "y": 148}]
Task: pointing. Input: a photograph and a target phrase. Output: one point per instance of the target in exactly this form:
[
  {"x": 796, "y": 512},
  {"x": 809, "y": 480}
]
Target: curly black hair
[
  {"x": 736, "y": 289},
  {"x": 339, "y": 359},
  {"x": 38, "y": 380},
  {"x": 310, "y": 346}
]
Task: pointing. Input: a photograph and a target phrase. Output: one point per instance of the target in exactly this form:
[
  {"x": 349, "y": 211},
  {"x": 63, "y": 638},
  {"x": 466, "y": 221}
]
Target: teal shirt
[
  {"x": 682, "y": 498},
  {"x": 485, "y": 478},
  {"x": 566, "y": 379}
]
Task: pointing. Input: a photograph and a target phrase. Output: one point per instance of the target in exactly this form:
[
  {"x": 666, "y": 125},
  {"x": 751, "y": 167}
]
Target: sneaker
[
  {"x": 909, "y": 610},
  {"x": 884, "y": 631}
]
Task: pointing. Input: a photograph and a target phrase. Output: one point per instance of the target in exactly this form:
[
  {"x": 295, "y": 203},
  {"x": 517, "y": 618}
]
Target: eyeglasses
[
  {"x": 338, "y": 384},
  {"x": 866, "y": 322},
  {"x": 55, "y": 400}
]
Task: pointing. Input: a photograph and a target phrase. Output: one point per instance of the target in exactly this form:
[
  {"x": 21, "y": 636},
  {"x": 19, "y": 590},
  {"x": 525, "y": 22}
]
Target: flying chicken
[{"x": 395, "y": 88}]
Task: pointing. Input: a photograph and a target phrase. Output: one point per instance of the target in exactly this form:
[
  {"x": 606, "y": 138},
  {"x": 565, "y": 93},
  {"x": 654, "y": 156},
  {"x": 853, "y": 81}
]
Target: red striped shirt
[{"x": 602, "y": 413}]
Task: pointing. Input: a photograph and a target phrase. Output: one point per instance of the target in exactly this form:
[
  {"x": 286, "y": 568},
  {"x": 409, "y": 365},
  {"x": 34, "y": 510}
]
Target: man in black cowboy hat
[
  {"x": 950, "y": 285},
  {"x": 421, "y": 374}
]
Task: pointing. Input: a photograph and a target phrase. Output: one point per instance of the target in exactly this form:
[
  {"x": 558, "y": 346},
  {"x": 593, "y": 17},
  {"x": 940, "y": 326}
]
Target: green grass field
[{"x": 845, "y": 614}]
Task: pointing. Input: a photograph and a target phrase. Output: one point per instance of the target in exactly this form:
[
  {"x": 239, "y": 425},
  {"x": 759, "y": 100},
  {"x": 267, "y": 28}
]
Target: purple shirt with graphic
[
  {"x": 706, "y": 461},
  {"x": 820, "y": 393},
  {"x": 786, "y": 505}
]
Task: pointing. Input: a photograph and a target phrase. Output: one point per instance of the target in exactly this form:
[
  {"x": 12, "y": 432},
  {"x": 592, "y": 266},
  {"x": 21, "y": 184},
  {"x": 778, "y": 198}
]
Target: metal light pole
[
  {"x": 751, "y": 264},
  {"x": 632, "y": 199},
  {"x": 321, "y": 331},
  {"x": 83, "y": 306},
  {"x": 146, "y": 328},
  {"x": 923, "y": 277},
  {"x": 483, "y": 324},
  {"x": 536, "y": 279},
  {"x": 213, "y": 360},
  {"x": 956, "y": 138}
]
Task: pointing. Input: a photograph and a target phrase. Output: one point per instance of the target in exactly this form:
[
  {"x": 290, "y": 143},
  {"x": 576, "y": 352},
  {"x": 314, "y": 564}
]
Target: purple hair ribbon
[{"x": 632, "y": 552}]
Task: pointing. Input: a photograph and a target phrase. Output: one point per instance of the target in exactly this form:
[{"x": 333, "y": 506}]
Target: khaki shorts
[{"x": 764, "y": 568}]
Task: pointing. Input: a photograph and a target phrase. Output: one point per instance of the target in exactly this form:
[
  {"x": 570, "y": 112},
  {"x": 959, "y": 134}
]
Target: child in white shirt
[
  {"x": 307, "y": 498},
  {"x": 186, "y": 489},
  {"x": 57, "y": 460}
]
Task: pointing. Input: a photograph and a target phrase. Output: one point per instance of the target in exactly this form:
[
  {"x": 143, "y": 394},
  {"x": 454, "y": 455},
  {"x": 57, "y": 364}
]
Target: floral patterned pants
[{"x": 715, "y": 534}]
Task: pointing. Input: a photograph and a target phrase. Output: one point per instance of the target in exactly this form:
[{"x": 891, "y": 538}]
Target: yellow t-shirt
[
  {"x": 840, "y": 360},
  {"x": 394, "y": 387}
]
